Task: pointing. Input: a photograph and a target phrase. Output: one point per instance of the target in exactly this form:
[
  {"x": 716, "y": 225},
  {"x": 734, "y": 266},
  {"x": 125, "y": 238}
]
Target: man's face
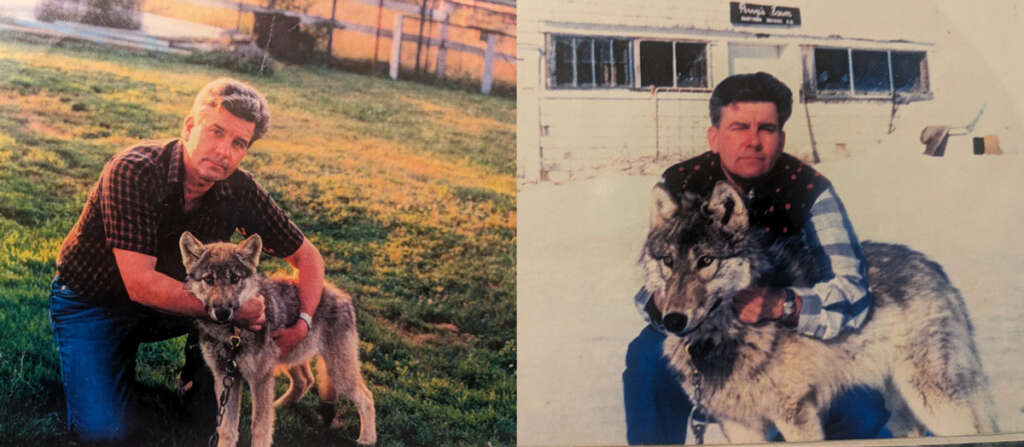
[
  {"x": 215, "y": 142},
  {"x": 748, "y": 139}
]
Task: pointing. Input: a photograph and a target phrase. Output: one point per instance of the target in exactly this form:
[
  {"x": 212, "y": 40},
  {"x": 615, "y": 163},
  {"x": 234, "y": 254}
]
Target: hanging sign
[{"x": 752, "y": 14}]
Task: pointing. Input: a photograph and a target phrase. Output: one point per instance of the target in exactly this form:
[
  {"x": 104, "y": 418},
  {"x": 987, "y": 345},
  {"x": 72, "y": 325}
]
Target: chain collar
[
  {"x": 234, "y": 344},
  {"x": 698, "y": 426}
]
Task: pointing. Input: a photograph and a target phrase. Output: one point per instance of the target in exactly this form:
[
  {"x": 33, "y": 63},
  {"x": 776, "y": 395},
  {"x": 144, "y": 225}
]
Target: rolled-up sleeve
[{"x": 840, "y": 301}]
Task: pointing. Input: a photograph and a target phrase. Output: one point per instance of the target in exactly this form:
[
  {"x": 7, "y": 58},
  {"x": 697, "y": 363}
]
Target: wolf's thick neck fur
[{"x": 712, "y": 349}]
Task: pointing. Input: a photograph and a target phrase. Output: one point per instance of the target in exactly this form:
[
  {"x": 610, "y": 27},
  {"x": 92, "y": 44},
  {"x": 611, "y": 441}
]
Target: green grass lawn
[{"x": 407, "y": 190}]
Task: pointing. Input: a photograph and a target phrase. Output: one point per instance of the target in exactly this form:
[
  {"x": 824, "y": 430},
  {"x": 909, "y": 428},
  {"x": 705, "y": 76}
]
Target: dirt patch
[
  {"x": 38, "y": 113},
  {"x": 36, "y": 125},
  {"x": 442, "y": 334}
]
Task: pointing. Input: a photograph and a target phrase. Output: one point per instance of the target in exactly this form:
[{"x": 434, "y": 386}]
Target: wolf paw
[{"x": 367, "y": 440}]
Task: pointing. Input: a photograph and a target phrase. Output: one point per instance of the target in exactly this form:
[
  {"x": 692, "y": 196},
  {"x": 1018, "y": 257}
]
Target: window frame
[
  {"x": 595, "y": 62},
  {"x": 851, "y": 93}
]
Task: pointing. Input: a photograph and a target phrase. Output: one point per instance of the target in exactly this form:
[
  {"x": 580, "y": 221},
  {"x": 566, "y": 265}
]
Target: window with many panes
[
  {"x": 848, "y": 72},
  {"x": 591, "y": 62},
  {"x": 612, "y": 62}
]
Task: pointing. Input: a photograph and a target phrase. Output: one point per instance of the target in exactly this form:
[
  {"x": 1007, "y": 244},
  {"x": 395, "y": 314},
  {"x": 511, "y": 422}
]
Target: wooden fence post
[
  {"x": 419, "y": 39},
  {"x": 396, "y": 45},
  {"x": 330, "y": 37},
  {"x": 487, "y": 80},
  {"x": 376, "y": 39},
  {"x": 442, "y": 48}
]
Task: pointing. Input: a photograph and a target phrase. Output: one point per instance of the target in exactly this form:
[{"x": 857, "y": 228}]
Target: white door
[
  {"x": 784, "y": 63},
  {"x": 746, "y": 58}
]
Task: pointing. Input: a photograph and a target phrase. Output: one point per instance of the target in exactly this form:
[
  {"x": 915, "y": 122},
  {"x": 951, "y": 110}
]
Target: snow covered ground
[{"x": 578, "y": 244}]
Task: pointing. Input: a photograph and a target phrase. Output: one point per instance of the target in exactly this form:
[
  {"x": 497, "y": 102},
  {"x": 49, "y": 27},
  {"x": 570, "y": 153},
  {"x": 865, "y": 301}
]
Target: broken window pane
[
  {"x": 691, "y": 65},
  {"x": 832, "y": 69},
  {"x": 908, "y": 71},
  {"x": 870, "y": 71}
]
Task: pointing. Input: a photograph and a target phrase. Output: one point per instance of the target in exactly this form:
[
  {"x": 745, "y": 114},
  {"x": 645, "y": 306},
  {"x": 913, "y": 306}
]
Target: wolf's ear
[
  {"x": 191, "y": 249},
  {"x": 727, "y": 209},
  {"x": 249, "y": 250},
  {"x": 663, "y": 206}
]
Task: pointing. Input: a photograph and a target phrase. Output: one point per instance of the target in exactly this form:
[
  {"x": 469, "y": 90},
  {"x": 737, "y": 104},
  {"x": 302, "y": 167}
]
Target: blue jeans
[
  {"x": 657, "y": 408},
  {"x": 97, "y": 347}
]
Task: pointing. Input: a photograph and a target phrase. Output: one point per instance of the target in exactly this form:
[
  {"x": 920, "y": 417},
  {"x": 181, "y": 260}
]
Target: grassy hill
[{"x": 407, "y": 190}]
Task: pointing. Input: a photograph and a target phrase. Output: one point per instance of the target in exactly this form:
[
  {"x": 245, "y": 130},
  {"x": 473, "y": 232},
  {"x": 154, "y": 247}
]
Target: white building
[{"x": 610, "y": 83}]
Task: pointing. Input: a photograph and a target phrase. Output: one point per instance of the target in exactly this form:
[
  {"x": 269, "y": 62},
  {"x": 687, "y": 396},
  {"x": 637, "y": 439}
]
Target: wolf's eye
[
  {"x": 704, "y": 261},
  {"x": 208, "y": 279},
  {"x": 233, "y": 278},
  {"x": 668, "y": 261}
]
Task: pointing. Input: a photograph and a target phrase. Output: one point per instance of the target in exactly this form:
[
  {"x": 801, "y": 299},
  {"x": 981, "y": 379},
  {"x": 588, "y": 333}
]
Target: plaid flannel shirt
[
  {"x": 840, "y": 301},
  {"x": 138, "y": 205}
]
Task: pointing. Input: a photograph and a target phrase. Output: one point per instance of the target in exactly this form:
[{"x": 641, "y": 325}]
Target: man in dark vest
[{"x": 785, "y": 197}]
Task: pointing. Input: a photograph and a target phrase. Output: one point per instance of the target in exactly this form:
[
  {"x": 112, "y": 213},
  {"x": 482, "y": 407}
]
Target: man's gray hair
[{"x": 237, "y": 97}]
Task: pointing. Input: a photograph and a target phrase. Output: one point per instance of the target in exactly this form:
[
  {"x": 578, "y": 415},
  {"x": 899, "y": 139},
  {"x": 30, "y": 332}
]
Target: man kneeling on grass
[{"x": 119, "y": 273}]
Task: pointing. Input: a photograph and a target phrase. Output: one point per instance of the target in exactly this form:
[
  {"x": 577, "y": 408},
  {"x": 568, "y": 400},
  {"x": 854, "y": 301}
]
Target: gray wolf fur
[
  {"x": 916, "y": 346},
  {"x": 223, "y": 276}
]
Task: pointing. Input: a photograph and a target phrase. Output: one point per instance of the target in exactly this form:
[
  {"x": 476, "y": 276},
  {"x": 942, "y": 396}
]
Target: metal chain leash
[
  {"x": 229, "y": 382},
  {"x": 700, "y": 426}
]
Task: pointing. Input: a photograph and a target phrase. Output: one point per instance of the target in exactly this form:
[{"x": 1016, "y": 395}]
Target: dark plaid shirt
[{"x": 138, "y": 205}]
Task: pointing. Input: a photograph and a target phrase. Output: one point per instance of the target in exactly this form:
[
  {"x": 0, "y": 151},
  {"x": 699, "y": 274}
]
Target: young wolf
[
  {"x": 223, "y": 276},
  {"x": 916, "y": 345}
]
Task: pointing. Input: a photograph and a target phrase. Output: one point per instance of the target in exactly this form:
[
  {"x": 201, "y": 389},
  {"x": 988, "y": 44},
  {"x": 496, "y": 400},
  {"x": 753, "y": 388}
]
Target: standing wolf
[
  {"x": 916, "y": 343},
  {"x": 223, "y": 276}
]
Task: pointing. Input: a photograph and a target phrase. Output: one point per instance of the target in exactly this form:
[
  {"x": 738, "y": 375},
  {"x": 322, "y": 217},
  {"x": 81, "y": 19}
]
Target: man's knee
[
  {"x": 101, "y": 412},
  {"x": 655, "y": 405},
  {"x": 97, "y": 362},
  {"x": 645, "y": 351}
]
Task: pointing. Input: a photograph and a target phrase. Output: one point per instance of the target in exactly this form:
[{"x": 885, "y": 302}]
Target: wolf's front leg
[
  {"x": 227, "y": 431},
  {"x": 262, "y": 410},
  {"x": 743, "y": 433}
]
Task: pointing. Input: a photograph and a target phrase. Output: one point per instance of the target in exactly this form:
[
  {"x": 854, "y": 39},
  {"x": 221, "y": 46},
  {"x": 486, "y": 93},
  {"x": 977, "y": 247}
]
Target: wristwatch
[
  {"x": 307, "y": 318},
  {"x": 788, "y": 306}
]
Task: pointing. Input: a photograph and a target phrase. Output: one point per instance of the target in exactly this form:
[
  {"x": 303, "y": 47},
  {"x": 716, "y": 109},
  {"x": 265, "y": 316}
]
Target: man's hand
[
  {"x": 757, "y": 304},
  {"x": 251, "y": 315},
  {"x": 288, "y": 337}
]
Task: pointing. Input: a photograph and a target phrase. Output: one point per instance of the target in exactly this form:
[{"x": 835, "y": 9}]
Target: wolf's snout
[
  {"x": 221, "y": 314},
  {"x": 675, "y": 322}
]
